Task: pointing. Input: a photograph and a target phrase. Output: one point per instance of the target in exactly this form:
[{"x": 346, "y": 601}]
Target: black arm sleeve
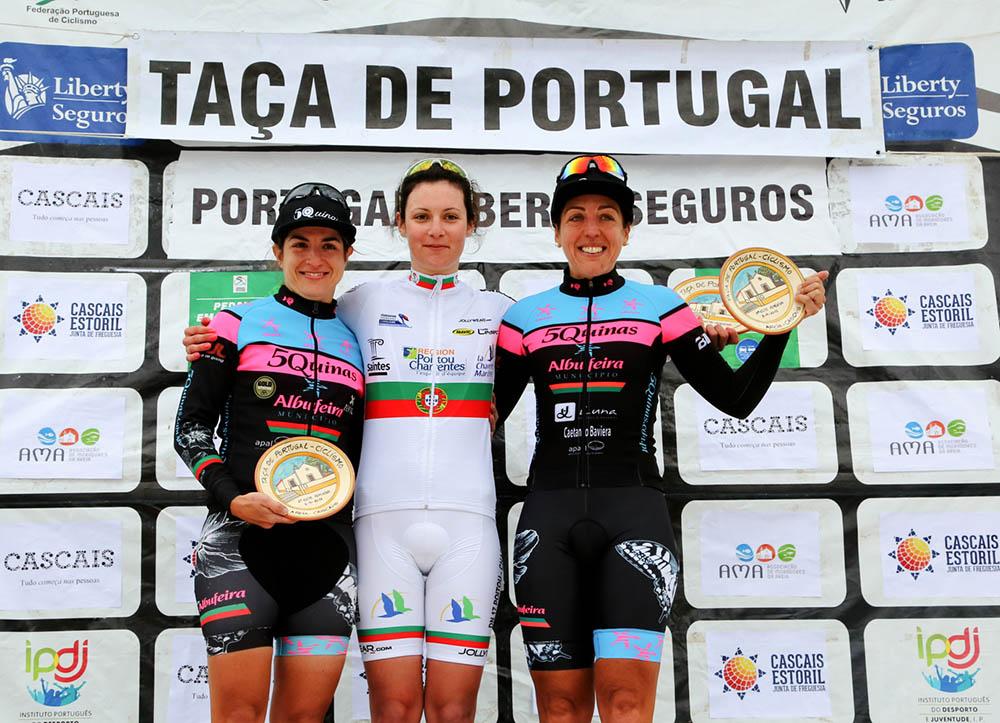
[
  {"x": 512, "y": 376},
  {"x": 735, "y": 393},
  {"x": 207, "y": 393}
]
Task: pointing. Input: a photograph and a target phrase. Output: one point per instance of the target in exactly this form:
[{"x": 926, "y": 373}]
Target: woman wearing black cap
[
  {"x": 595, "y": 563},
  {"x": 278, "y": 367}
]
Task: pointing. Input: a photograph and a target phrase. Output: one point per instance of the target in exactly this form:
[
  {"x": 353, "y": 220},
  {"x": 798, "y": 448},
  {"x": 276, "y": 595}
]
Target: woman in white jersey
[{"x": 429, "y": 565}]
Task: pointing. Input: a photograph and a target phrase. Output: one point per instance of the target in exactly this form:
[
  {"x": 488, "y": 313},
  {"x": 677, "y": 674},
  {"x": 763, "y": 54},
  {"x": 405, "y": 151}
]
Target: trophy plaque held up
[
  {"x": 758, "y": 287},
  {"x": 701, "y": 293},
  {"x": 312, "y": 478}
]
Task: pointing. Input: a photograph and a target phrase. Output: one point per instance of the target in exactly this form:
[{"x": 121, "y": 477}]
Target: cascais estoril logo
[
  {"x": 67, "y": 667},
  {"x": 740, "y": 674},
  {"x": 38, "y": 318},
  {"x": 890, "y": 312},
  {"x": 913, "y": 554}
]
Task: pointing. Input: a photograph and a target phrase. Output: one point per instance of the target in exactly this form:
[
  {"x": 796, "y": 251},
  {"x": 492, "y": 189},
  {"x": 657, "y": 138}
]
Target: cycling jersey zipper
[
  {"x": 433, "y": 395},
  {"x": 315, "y": 340},
  {"x": 585, "y": 372}
]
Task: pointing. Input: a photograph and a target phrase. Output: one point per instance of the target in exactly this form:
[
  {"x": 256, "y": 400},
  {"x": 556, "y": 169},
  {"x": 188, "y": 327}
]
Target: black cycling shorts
[
  {"x": 595, "y": 572},
  {"x": 239, "y": 610}
]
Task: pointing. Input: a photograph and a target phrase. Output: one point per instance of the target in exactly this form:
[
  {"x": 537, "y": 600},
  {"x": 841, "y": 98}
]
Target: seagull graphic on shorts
[
  {"x": 462, "y": 613},
  {"x": 394, "y": 605}
]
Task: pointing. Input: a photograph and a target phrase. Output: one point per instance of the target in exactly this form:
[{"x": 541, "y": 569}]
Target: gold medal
[
  {"x": 701, "y": 293},
  {"x": 758, "y": 287},
  {"x": 310, "y": 476}
]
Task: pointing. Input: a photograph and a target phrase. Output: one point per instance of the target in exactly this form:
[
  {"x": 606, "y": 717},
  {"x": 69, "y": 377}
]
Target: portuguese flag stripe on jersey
[
  {"x": 417, "y": 399},
  {"x": 403, "y": 631},
  {"x": 464, "y": 641},
  {"x": 283, "y": 427},
  {"x": 577, "y": 387},
  {"x": 227, "y": 611},
  {"x": 202, "y": 463}
]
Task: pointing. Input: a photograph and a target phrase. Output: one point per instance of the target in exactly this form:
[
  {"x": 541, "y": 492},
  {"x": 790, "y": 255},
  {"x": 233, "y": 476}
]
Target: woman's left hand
[{"x": 812, "y": 293}]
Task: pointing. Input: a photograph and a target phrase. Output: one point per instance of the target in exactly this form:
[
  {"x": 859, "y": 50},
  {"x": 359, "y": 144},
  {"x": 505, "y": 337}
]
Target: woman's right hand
[
  {"x": 198, "y": 339},
  {"x": 259, "y": 509}
]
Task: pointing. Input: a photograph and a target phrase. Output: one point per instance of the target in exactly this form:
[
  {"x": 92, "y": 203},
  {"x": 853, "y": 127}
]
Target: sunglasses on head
[
  {"x": 581, "y": 164},
  {"x": 428, "y": 163},
  {"x": 304, "y": 190}
]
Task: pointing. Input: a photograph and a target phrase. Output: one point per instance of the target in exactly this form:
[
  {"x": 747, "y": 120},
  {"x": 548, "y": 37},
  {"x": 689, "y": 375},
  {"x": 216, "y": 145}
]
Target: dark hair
[{"x": 470, "y": 195}]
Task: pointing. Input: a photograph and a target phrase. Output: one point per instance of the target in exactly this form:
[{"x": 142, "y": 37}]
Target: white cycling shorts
[{"x": 429, "y": 577}]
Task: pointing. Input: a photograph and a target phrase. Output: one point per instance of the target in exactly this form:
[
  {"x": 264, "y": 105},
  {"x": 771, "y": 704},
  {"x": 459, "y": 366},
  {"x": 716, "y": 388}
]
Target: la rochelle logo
[{"x": 23, "y": 92}]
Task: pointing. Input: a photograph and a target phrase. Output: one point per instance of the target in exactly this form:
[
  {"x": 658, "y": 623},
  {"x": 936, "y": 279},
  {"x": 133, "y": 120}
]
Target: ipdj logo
[
  {"x": 740, "y": 674},
  {"x": 961, "y": 651},
  {"x": 67, "y": 665},
  {"x": 935, "y": 429},
  {"x": 914, "y": 203},
  {"x": 38, "y": 318},
  {"x": 913, "y": 554},
  {"x": 890, "y": 312},
  {"x": 68, "y": 437}
]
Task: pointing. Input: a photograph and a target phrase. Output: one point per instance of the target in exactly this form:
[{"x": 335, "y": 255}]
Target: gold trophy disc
[
  {"x": 758, "y": 287},
  {"x": 312, "y": 478},
  {"x": 701, "y": 293}
]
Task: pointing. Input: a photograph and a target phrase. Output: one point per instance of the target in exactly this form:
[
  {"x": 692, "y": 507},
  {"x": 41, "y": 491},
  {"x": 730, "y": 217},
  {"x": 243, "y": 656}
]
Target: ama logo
[
  {"x": 38, "y": 318},
  {"x": 740, "y": 674},
  {"x": 890, "y": 312},
  {"x": 913, "y": 554},
  {"x": 961, "y": 651},
  {"x": 67, "y": 667}
]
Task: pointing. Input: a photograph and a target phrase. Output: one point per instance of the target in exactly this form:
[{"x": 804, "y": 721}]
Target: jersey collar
[
  {"x": 432, "y": 283},
  {"x": 597, "y": 286},
  {"x": 318, "y": 309}
]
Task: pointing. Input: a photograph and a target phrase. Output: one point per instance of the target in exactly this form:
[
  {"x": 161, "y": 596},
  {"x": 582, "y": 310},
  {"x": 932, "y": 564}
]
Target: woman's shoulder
[{"x": 662, "y": 297}]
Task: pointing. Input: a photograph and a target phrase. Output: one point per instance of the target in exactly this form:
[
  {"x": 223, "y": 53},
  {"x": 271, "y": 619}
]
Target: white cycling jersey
[{"x": 428, "y": 345}]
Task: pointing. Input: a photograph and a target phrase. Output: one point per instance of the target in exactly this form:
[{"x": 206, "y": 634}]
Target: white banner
[
  {"x": 71, "y": 323},
  {"x": 909, "y": 203},
  {"x": 931, "y": 669},
  {"x": 59, "y": 441},
  {"x": 925, "y": 432},
  {"x": 88, "y": 676},
  {"x": 919, "y": 315},
  {"x": 770, "y": 670},
  {"x": 898, "y": 21},
  {"x": 930, "y": 551},
  {"x": 69, "y": 563},
  {"x": 622, "y": 96},
  {"x": 763, "y": 553},
  {"x": 73, "y": 207},
  {"x": 788, "y": 439},
  {"x": 220, "y": 205}
]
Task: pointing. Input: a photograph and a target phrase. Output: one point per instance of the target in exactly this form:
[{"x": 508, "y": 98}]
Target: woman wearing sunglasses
[
  {"x": 595, "y": 566},
  {"x": 429, "y": 563},
  {"x": 266, "y": 587}
]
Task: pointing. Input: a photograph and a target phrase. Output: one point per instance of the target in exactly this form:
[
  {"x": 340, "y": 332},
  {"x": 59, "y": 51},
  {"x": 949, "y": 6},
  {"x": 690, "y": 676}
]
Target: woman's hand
[
  {"x": 721, "y": 336},
  {"x": 259, "y": 509},
  {"x": 812, "y": 293},
  {"x": 198, "y": 339}
]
